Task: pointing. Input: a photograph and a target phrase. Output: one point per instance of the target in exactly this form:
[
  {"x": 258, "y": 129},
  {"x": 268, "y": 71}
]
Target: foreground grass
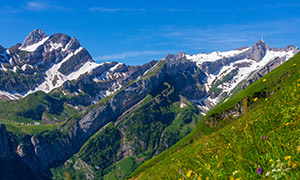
[{"x": 263, "y": 144}]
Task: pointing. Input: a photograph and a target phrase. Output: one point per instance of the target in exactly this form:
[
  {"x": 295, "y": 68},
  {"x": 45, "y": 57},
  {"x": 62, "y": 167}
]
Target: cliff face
[{"x": 5, "y": 144}]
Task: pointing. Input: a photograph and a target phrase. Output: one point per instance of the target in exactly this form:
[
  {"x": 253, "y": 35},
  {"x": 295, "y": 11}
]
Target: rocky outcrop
[{"x": 34, "y": 37}]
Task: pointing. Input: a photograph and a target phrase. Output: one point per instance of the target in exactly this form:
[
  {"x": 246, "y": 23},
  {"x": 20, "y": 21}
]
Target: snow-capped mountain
[
  {"x": 226, "y": 70},
  {"x": 59, "y": 63},
  {"x": 44, "y": 63}
]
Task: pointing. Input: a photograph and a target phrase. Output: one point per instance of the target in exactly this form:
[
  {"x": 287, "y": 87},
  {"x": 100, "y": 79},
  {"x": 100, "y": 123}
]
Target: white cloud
[
  {"x": 37, "y": 5},
  {"x": 112, "y": 10}
]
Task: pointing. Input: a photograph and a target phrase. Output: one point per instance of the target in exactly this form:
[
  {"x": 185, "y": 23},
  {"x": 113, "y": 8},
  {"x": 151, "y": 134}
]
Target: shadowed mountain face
[{"x": 52, "y": 79}]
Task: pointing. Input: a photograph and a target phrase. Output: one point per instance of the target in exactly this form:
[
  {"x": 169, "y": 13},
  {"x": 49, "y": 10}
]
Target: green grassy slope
[
  {"x": 20, "y": 115},
  {"x": 228, "y": 143}
]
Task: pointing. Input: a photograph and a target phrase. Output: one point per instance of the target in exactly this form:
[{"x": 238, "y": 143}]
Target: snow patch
[
  {"x": 55, "y": 46},
  {"x": 55, "y": 79},
  {"x": 33, "y": 47},
  {"x": 115, "y": 67}
]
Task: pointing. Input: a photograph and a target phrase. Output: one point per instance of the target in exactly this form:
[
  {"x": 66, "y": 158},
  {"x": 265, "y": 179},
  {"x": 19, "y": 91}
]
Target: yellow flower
[
  {"x": 208, "y": 167},
  {"x": 237, "y": 179},
  {"x": 294, "y": 165},
  {"x": 287, "y": 157},
  {"x": 266, "y": 99},
  {"x": 264, "y": 80},
  {"x": 294, "y": 64},
  {"x": 189, "y": 173},
  {"x": 216, "y": 156},
  {"x": 207, "y": 178},
  {"x": 271, "y": 160},
  {"x": 287, "y": 124},
  {"x": 231, "y": 178},
  {"x": 298, "y": 149},
  {"x": 255, "y": 99}
]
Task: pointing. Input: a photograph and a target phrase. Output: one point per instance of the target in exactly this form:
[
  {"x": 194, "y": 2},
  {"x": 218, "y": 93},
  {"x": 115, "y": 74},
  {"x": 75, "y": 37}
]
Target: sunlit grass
[{"x": 263, "y": 143}]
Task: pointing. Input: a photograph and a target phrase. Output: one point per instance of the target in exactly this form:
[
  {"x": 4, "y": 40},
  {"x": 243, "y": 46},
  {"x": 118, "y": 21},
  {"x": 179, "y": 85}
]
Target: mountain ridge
[{"x": 71, "y": 98}]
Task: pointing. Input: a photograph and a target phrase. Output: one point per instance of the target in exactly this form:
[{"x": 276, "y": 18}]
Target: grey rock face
[{"x": 34, "y": 37}]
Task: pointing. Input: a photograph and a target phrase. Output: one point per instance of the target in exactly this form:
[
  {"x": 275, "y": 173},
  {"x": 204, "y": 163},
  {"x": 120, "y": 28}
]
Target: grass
[
  {"x": 122, "y": 169},
  {"x": 261, "y": 144},
  {"x": 29, "y": 129}
]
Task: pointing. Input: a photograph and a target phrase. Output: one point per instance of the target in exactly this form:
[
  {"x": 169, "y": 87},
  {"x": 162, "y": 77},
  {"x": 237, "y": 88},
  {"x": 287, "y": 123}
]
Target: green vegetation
[
  {"x": 155, "y": 124},
  {"x": 18, "y": 79},
  {"x": 101, "y": 150},
  {"x": 155, "y": 69},
  {"x": 33, "y": 107},
  {"x": 264, "y": 144},
  {"x": 122, "y": 169}
]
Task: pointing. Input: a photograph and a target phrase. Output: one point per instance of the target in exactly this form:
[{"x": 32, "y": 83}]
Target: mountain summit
[{"x": 33, "y": 38}]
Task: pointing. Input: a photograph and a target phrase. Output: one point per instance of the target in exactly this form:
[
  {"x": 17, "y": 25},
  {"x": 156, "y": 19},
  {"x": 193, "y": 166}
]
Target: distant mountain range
[
  {"x": 145, "y": 109},
  {"x": 46, "y": 63}
]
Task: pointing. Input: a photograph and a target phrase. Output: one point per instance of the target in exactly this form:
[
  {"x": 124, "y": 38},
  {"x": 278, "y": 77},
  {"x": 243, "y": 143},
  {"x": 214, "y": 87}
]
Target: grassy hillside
[
  {"x": 254, "y": 135},
  {"x": 46, "y": 109}
]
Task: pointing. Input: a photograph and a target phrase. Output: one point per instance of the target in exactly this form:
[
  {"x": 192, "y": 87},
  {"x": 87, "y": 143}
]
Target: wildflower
[
  {"x": 294, "y": 165},
  {"x": 259, "y": 169},
  {"x": 265, "y": 137},
  {"x": 216, "y": 156},
  {"x": 298, "y": 149},
  {"x": 287, "y": 124},
  {"x": 266, "y": 99},
  {"x": 237, "y": 179},
  {"x": 268, "y": 173},
  {"x": 231, "y": 178},
  {"x": 235, "y": 172},
  {"x": 287, "y": 157},
  {"x": 179, "y": 172},
  {"x": 189, "y": 173},
  {"x": 264, "y": 80},
  {"x": 255, "y": 99},
  {"x": 294, "y": 64},
  {"x": 271, "y": 160}
]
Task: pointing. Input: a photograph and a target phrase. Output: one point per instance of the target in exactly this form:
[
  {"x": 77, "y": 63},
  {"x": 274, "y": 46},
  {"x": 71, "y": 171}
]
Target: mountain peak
[
  {"x": 261, "y": 44},
  {"x": 34, "y": 37}
]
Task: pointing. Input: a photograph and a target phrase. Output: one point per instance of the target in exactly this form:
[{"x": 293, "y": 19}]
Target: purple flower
[
  {"x": 179, "y": 171},
  {"x": 265, "y": 137},
  {"x": 259, "y": 169}
]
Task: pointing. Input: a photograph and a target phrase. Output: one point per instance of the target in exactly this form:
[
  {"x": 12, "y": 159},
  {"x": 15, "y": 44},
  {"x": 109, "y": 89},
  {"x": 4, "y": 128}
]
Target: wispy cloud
[
  {"x": 222, "y": 37},
  {"x": 165, "y": 9},
  {"x": 112, "y": 10},
  {"x": 129, "y": 54},
  {"x": 38, "y": 5}
]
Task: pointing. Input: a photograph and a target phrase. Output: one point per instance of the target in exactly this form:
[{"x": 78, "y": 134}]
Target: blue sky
[{"x": 135, "y": 32}]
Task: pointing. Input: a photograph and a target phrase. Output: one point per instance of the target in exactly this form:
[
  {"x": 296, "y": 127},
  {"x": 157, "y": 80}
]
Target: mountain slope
[
  {"x": 147, "y": 129},
  {"x": 146, "y": 108},
  {"x": 230, "y": 142}
]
